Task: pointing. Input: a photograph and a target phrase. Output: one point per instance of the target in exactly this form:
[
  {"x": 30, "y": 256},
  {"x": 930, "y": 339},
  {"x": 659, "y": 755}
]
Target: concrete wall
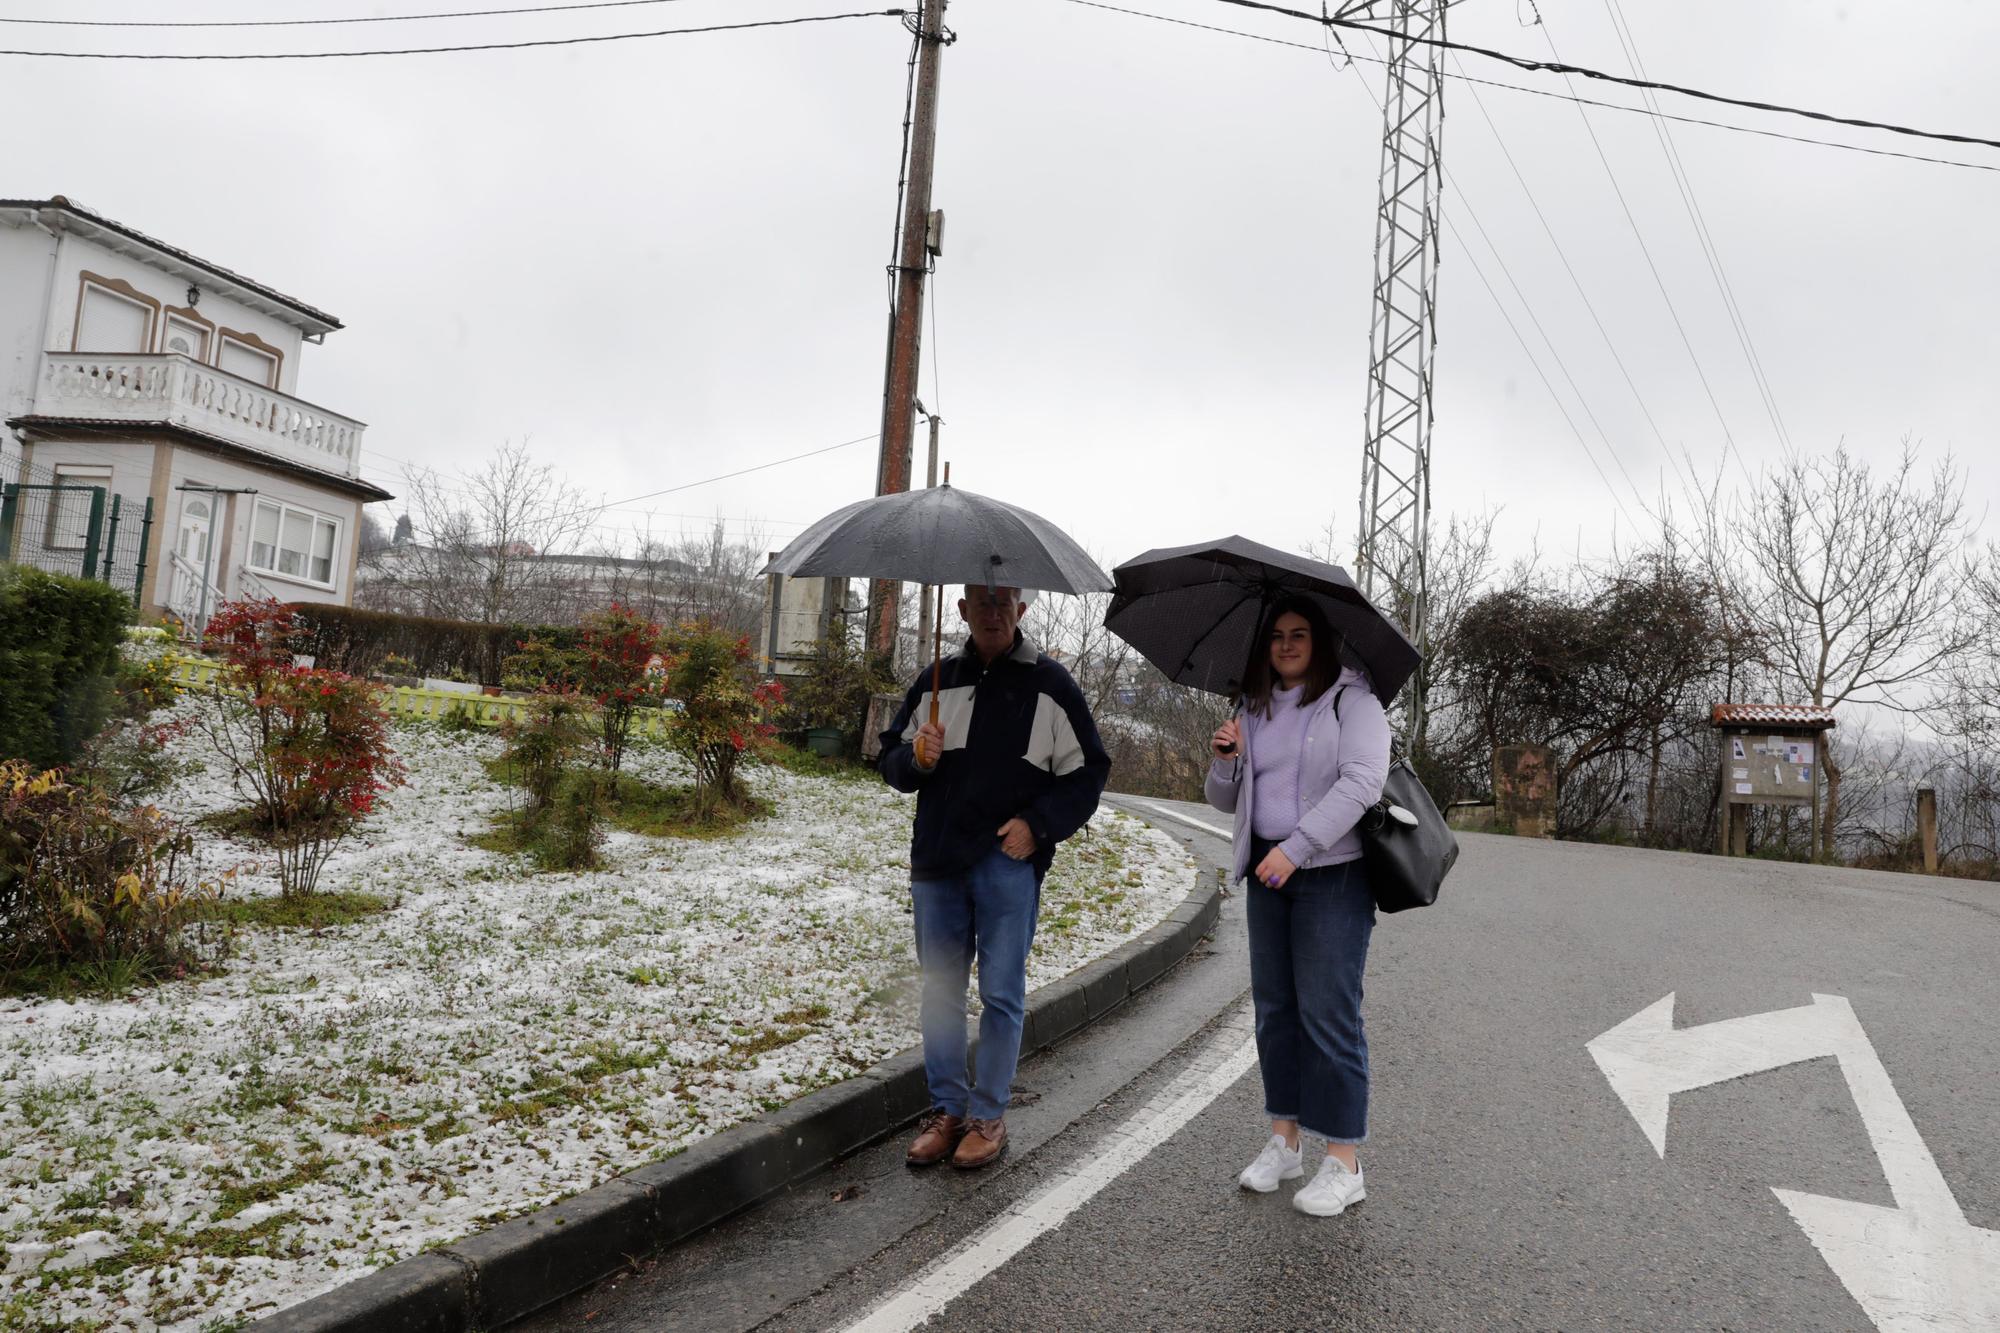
[
  {"x": 232, "y": 548},
  {"x": 25, "y": 255},
  {"x": 142, "y": 467},
  {"x": 80, "y": 255}
]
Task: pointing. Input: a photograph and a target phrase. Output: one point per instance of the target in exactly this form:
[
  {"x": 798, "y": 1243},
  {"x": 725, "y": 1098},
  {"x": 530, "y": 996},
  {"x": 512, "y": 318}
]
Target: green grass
[
  {"x": 245, "y": 823},
  {"x": 807, "y": 764},
  {"x": 103, "y": 978},
  {"x": 315, "y": 911},
  {"x": 671, "y": 812},
  {"x": 549, "y": 1091},
  {"x": 233, "y": 1199}
]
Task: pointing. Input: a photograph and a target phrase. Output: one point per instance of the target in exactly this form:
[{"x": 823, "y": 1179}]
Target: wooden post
[
  {"x": 907, "y": 316},
  {"x": 1725, "y": 812},
  {"x": 1927, "y": 825}
]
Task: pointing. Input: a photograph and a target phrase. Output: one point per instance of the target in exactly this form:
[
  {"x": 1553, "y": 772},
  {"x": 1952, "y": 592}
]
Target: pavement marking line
[
  {"x": 1221, "y": 833},
  {"x": 1920, "y": 1266},
  {"x": 1226, "y": 1058}
]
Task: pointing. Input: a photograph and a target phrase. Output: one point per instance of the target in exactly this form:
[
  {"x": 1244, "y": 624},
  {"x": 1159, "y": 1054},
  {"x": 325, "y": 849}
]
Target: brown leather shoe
[
  {"x": 984, "y": 1141},
  {"x": 937, "y": 1135}
]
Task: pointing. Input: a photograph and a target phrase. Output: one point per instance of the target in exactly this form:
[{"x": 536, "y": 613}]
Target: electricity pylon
[{"x": 1396, "y": 457}]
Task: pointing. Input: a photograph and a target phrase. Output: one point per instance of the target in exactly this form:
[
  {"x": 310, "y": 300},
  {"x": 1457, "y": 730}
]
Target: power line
[
  {"x": 317, "y": 23},
  {"x": 1638, "y": 235},
  {"x": 1603, "y": 333},
  {"x": 1463, "y": 77},
  {"x": 586, "y": 510},
  {"x": 1559, "y": 67},
  {"x": 453, "y": 50},
  {"x": 1710, "y": 251},
  {"x": 1512, "y": 327}
]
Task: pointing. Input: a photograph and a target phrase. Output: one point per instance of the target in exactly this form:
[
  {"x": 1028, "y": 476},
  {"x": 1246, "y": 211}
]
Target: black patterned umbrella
[{"x": 1195, "y": 611}]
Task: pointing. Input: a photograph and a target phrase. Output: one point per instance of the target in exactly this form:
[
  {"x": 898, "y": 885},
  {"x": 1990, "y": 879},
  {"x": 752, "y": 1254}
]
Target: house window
[
  {"x": 247, "y": 362},
  {"x": 186, "y": 338},
  {"x": 110, "y": 322},
  {"x": 69, "y": 510},
  {"x": 293, "y": 543}
]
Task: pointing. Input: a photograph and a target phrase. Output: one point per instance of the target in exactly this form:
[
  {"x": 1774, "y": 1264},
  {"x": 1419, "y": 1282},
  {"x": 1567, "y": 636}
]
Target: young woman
[{"x": 1305, "y": 755}]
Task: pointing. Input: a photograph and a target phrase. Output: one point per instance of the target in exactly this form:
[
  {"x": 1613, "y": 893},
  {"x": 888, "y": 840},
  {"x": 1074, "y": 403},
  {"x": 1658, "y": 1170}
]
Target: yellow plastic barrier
[{"x": 431, "y": 705}]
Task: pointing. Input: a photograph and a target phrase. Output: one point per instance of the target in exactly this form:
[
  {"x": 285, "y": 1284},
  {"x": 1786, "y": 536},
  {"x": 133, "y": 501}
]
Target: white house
[{"x": 131, "y": 365}]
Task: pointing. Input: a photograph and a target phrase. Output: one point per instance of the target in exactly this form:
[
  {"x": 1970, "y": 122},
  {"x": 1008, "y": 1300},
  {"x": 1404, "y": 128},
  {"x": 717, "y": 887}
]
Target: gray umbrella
[{"x": 941, "y": 535}]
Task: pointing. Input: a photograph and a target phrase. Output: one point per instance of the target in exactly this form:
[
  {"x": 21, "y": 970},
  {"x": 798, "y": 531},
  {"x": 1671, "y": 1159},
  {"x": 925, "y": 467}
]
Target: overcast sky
[{"x": 659, "y": 260}]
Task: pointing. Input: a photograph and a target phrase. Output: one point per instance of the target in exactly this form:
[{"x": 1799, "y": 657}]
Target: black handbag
[{"x": 1406, "y": 847}]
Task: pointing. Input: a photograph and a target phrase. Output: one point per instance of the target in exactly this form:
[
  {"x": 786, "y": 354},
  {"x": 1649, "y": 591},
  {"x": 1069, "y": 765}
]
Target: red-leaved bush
[
  {"x": 725, "y": 708},
  {"x": 312, "y": 747}
]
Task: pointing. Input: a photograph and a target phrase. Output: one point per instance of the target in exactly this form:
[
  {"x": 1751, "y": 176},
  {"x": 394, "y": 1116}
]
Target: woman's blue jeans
[
  {"x": 988, "y": 912},
  {"x": 1308, "y": 948}
]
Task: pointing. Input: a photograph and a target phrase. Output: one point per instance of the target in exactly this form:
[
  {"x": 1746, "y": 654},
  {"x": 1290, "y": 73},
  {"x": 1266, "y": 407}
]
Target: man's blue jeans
[
  {"x": 1308, "y": 948},
  {"x": 987, "y": 911}
]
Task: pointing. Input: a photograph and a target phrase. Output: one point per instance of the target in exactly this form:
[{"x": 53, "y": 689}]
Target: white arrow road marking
[
  {"x": 1908, "y": 1275},
  {"x": 1221, "y": 833},
  {"x": 1917, "y": 1266},
  {"x": 1647, "y": 1060},
  {"x": 1224, "y": 1060}
]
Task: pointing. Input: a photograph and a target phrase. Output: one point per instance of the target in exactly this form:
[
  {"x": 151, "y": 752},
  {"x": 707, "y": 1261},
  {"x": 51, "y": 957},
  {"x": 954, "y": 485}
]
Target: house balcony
[{"x": 174, "y": 390}]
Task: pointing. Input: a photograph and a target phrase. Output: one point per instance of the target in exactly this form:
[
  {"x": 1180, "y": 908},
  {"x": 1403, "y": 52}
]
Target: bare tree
[
  {"x": 506, "y": 547},
  {"x": 1071, "y": 629},
  {"x": 1855, "y": 596}
]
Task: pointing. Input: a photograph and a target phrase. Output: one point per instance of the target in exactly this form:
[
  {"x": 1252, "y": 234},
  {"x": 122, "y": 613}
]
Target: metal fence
[{"x": 69, "y": 526}]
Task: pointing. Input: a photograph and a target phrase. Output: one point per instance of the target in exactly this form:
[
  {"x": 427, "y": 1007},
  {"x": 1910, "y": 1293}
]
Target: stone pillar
[
  {"x": 881, "y": 712},
  {"x": 1524, "y": 790},
  {"x": 1927, "y": 825}
]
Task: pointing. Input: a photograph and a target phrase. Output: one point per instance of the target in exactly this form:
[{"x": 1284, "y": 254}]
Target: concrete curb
[{"x": 512, "y": 1270}]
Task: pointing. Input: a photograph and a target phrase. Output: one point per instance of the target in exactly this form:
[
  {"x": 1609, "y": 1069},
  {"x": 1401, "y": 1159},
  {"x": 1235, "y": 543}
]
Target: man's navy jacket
[{"x": 1018, "y": 741}]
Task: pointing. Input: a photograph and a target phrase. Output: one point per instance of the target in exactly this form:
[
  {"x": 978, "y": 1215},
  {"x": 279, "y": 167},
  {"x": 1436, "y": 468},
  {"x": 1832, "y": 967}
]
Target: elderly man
[{"x": 1012, "y": 766}]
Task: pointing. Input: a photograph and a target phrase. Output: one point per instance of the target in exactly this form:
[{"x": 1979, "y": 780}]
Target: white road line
[
  {"x": 1224, "y": 1060},
  {"x": 1221, "y": 833}
]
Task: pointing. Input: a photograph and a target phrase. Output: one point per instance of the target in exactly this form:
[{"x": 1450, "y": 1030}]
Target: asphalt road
[{"x": 1509, "y": 1186}]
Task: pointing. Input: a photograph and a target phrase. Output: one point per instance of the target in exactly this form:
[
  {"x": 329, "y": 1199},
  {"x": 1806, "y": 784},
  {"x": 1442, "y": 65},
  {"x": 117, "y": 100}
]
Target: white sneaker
[
  {"x": 1332, "y": 1191},
  {"x": 1275, "y": 1163}
]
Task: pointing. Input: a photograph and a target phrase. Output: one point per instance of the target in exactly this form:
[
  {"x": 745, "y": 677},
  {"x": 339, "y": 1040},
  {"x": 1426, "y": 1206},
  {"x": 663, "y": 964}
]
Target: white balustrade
[
  {"x": 180, "y": 391},
  {"x": 190, "y": 596}
]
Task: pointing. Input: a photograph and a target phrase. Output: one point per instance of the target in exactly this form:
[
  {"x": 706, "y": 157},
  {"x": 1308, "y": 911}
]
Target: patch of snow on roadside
[{"x": 336, "y": 1100}]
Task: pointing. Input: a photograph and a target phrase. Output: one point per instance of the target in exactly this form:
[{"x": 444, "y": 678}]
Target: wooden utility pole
[{"x": 917, "y": 243}]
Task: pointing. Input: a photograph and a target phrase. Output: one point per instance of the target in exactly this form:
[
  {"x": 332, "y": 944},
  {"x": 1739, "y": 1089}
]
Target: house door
[{"x": 192, "y": 543}]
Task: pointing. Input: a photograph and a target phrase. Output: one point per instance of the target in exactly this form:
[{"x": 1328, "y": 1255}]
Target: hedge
[
  {"x": 346, "y": 638},
  {"x": 59, "y": 640}
]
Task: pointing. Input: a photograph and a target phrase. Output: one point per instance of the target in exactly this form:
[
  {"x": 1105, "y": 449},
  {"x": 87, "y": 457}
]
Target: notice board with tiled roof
[{"x": 1770, "y": 756}]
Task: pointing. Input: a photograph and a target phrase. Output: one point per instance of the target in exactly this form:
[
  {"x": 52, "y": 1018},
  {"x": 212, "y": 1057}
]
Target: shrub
[
  {"x": 312, "y": 745},
  {"x": 610, "y": 663},
  {"x": 725, "y": 707},
  {"x": 572, "y": 829},
  {"x": 59, "y": 647},
  {"x": 833, "y": 689},
  {"x": 346, "y": 638},
  {"x": 542, "y": 747},
  {"x": 133, "y": 755},
  {"x": 85, "y": 882}
]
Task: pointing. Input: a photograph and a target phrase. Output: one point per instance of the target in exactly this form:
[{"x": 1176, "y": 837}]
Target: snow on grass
[{"x": 340, "y": 1099}]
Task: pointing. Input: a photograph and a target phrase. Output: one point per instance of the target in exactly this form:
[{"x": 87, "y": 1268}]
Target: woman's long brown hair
[{"x": 1259, "y": 680}]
